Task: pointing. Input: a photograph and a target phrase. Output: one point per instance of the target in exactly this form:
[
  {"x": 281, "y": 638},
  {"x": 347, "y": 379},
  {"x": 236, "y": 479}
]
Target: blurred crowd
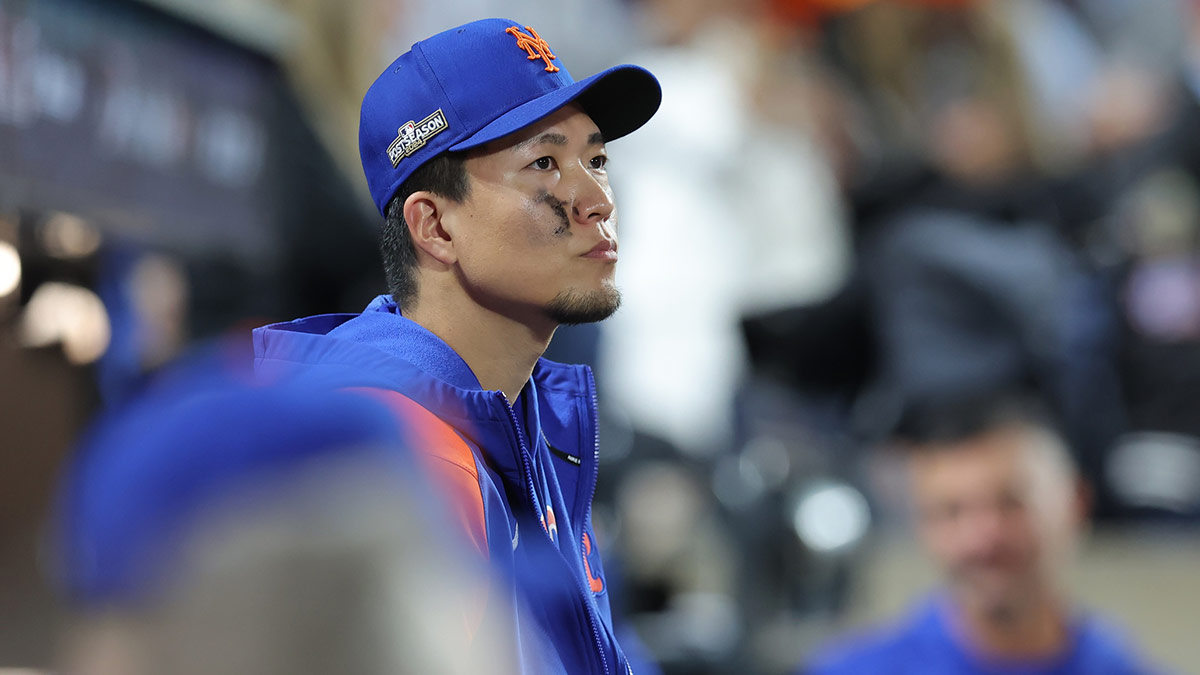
[
  {"x": 845, "y": 212},
  {"x": 886, "y": 205}
]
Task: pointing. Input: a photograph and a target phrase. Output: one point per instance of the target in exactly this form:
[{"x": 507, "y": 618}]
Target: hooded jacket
[{"x": 521, "y": 484}]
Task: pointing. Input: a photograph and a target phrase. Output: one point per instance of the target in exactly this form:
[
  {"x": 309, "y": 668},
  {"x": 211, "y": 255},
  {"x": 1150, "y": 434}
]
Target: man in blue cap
[{"x": 488, "y": 163}]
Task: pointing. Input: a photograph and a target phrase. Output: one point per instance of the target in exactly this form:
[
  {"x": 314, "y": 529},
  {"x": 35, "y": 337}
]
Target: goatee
[{"x": 571, "y": 308}]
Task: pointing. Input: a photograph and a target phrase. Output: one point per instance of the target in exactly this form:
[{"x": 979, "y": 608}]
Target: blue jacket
[
  {"x": 522, "y": 488},
  {"x": 924, "y": 643}
]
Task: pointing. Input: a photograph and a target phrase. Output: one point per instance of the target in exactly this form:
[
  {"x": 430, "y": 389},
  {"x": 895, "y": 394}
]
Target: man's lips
[{"x": 605, "y": 250}]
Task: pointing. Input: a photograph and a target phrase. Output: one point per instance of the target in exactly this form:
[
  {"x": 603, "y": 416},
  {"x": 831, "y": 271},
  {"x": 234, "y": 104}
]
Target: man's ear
[{"x": 423, "y": 211}]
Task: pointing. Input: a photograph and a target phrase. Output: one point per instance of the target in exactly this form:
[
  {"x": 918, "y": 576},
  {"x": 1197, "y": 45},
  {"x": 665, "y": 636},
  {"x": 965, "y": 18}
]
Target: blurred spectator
[
  {"x": 1000, "y": 509},
  {"x": 215, "y": 527},
  {"x": 1152, "y": 233},
  {"x": 971, "y": 203},
  {"x": 731, "y": 208}
]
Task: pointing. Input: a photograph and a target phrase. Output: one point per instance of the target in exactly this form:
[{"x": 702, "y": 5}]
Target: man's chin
[
  {"x": 573, "y": 307},
  {"x": 993, "y": 596}
]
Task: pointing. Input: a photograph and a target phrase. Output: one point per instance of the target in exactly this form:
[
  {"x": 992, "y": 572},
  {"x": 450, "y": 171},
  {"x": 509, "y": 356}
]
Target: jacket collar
[
  {"x": 383, "y": 349},
  {"x": 382, "y": 326}
]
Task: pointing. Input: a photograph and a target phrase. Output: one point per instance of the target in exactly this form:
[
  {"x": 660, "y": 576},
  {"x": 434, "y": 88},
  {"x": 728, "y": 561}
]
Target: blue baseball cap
[
  {"x": 144, "y": 473},
  {"x": 478, "y": 82}
]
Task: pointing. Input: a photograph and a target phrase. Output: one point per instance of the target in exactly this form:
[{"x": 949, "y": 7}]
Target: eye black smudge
[{"x": 558, "y": 208}]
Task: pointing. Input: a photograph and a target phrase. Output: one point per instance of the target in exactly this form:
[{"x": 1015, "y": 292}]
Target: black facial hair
[
  {"x": 571, "y": 308},
  {"x": 568, "y": 307}
]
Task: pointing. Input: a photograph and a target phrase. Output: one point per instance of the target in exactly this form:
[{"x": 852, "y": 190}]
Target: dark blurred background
[{"x": 843, "y": 208}]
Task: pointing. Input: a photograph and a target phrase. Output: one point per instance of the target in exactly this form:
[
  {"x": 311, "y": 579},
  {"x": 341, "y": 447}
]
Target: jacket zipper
[
  {"x": 587, "y": 514},
  {"x": 525, "y": 467},
  {"x": 528, "y": 470}
]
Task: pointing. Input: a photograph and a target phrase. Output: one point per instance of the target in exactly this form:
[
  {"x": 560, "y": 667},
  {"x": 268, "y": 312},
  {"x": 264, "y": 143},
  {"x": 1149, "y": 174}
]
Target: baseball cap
[
  {"x": 145, "y": 472},
  {"x": 478, "y": 82}
]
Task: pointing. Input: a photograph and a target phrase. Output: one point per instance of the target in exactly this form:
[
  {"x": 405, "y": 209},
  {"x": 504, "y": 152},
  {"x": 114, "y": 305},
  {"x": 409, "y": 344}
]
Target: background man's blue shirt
[{"x": 924, "y": 642}]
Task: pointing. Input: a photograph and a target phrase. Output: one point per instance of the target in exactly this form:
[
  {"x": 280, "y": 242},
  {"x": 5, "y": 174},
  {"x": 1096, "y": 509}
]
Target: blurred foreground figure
[
  {"x": 488, "y": 163},
  {"x": 999, "y": 509},
  {"x": 218, "y": 528}
]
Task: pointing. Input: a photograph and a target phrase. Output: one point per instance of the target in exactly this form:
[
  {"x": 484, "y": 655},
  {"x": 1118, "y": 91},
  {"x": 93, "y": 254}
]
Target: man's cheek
[{"x": 558, "y": 209}]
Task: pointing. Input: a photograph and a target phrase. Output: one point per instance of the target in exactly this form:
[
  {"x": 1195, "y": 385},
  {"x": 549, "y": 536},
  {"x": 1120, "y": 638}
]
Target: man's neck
[
  {"x": 500, "y": 351},
  {"x": 1038, "y": 630}
]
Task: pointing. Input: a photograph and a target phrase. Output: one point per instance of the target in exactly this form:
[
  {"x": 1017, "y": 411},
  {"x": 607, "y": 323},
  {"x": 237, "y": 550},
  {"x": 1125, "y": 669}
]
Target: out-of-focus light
[
  {"x": 831, "y": 517},
  {"x": 737, "y": 483},
  {"x": 1157, "y": 470},
  {"x": 771, "y": 459},
  {"x": 706, "y": 623},
  {"x": 67, "y": 314},
  {"x": 10, "y": 268},
  {"x": 66, "y": 236}
]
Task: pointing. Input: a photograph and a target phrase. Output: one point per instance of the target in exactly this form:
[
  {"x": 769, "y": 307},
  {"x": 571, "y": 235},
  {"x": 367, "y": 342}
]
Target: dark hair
[
  {"x": 445, "y": 175},
  {"x": 949, "y": 419}
]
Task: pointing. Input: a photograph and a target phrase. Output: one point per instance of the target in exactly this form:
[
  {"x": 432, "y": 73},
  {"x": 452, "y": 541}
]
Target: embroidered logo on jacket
[
  {"x": 413, "y": 135},
  {"x": 534, "y": 46},
  {"x": 551, "y": 524},
  {"x": 595, "y": 581}
]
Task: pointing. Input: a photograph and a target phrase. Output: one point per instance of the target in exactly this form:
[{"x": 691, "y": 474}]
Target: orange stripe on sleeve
[
  {"x": 446, "y": 457},
  {"x": 449, "y": 462}
]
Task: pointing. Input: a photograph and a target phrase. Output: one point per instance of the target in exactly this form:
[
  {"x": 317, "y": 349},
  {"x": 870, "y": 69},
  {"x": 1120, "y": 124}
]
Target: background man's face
[
  {"x": 537, "y": 236},
  {"x": 998, "y": 513}
]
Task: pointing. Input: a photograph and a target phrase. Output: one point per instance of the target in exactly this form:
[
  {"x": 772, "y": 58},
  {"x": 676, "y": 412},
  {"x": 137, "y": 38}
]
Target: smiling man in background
[
  {"x": 488, "y": 163},
  {"x": 1000, "y": 509}
]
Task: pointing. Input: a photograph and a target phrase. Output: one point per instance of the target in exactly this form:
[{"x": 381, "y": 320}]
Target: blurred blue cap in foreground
[{"x": 145, "y": 473}]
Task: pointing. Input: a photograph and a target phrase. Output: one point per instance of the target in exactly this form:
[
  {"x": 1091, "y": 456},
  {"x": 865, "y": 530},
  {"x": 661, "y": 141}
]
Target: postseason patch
[{"x": 413, "y": 135}]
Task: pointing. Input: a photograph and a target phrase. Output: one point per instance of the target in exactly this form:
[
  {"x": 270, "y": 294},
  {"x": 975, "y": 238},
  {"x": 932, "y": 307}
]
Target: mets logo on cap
[
  {"x": 535, "y": 46},
  {"x": 413, "y": 136}
]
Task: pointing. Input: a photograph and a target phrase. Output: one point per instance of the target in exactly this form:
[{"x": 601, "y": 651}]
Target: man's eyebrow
[{"x": 550, "y": 138}]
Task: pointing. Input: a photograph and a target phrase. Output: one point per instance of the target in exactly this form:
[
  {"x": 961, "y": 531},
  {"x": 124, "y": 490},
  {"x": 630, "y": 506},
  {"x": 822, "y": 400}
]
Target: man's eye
[
  {"x": 543, "y": 163},
  {"x": 599, "y": 162}
]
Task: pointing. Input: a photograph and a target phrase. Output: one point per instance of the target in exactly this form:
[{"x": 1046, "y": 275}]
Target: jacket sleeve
[{"x": 447, "y": 460}]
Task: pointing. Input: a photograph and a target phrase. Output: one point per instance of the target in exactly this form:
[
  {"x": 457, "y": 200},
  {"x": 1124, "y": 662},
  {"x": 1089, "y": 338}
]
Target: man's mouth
[{"x": 605, "y": 250}]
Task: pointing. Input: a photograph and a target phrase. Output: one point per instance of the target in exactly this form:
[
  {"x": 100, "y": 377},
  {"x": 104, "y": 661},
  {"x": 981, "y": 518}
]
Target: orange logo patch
[
  {"x": 534, "y": 46},
  {"x": 550, "y": 524},
  {"x": 594, "y": 582}
]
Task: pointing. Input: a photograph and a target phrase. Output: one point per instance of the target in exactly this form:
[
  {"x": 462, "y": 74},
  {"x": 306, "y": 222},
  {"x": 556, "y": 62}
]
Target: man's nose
[
  {"x": 591, "y": 200},
  {"x": 984, "y": 528}
]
